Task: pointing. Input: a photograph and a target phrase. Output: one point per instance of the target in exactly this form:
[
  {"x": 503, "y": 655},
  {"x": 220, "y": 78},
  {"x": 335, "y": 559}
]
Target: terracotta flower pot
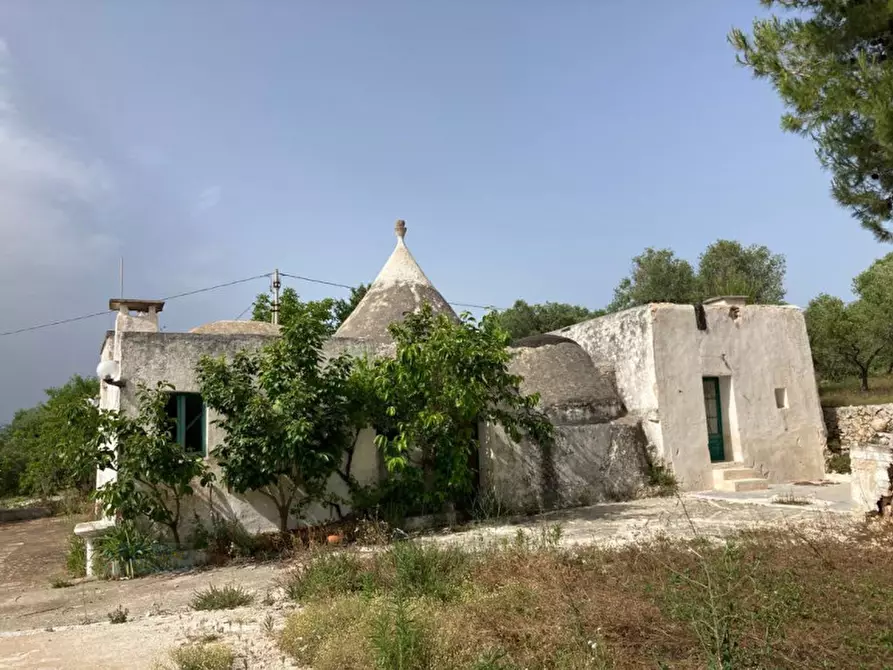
[{"x": 335, "y": 538}]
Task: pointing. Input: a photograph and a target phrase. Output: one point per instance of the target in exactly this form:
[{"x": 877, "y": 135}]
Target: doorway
[{"x": 713, "y": 409}]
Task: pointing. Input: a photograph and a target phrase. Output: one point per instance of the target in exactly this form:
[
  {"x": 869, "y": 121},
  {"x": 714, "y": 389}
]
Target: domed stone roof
[
  {"x": 400, "y": 288},
  {"x": 571, "y": 388},
  {"x": 237, "y": 328}
]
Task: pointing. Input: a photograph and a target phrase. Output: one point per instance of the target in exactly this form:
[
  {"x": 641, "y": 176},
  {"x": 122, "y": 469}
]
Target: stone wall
[
  {"x": 872, "y": 478},
  {"x": 858, "y": 424}
]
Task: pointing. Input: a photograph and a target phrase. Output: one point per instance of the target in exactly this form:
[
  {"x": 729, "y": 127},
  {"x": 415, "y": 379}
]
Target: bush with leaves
[
  {"x": 154, "y": 473},
  {"x": 288, "y": 416},
  {"x": 427, "y": 402}
]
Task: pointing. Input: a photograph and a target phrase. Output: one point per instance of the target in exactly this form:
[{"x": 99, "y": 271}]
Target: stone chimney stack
[{"x": 136, "y": 315}]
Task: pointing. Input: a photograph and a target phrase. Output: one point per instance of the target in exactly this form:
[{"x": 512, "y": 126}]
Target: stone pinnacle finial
[{"x": 400, "y": 229}]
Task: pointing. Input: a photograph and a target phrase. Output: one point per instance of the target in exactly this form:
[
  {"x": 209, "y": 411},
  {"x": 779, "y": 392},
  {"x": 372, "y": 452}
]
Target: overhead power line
[{"x": 175, "y": 296}]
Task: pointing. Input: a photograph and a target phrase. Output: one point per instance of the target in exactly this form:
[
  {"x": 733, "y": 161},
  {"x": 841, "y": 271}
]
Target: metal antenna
[{"x": 275, "y": 306}]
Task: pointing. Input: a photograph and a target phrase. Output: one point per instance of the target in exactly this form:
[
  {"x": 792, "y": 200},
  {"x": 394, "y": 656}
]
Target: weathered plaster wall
[
  {"x": 858, "y": 424},
  {"x": 754, "y": 350},
  {"x": 151, "y": 357},
  {"x": 622, "y": 342},
  {"x": 588, "y": 463}
]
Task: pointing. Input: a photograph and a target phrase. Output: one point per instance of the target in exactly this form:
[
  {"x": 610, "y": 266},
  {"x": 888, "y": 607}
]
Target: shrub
[
  {"x": 426, "y": 570},
  {"x": 118, "y": 615},
  {"x": 203, "y": 656},
  {"x": 224, "y": 598},
  {"x": 400, "y": 639},
  {"x": 839, "y": 462},
  {"x": 223, "y": 538},
  {"x": 129, "y": 546},
  {"x": 328, "y": 575},
  {"x": 60, "y": 583},
  {"x": 662, "y": 479}
]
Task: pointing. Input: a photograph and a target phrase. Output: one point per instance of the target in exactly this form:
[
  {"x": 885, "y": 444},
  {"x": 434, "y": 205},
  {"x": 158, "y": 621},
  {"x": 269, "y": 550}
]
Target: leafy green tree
[
  {"x": 728, "y": 268},
  {"x": 291, "y": 305},
  {"x": 657, "y": 276},
  {"x": 37, "y": 440},
  {"x": 288, "y": 416},
  {"x": 445, "y": 379},
  {"x": 831, "y": 63},
  {"x": 155, "y": 474},
  {"x": 842, "y": 338},
  {"x": 522, "y": 320}
]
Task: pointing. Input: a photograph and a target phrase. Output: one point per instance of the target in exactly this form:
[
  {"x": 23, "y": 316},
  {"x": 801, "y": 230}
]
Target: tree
[
  {"x": 288, "y": 416},
  {"x": 842, "y": 338},
  {"x": 830, "y": 63},
  {"x": 728, "y": 268},
  {"x": 290, "y": 305},
  {"x": 37, "y": 440},
  {"x": 657, "y": 276},
  {"x": 154, "y": 473},
  {"x": 522, "y": 320},
  {"x": 445, "y": 379}
]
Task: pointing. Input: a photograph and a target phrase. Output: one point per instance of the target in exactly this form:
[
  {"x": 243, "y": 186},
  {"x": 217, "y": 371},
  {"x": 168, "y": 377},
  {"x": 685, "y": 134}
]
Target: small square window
[
  {"x": 187, "y": 412},
  {"x": 781, "y": 397}
]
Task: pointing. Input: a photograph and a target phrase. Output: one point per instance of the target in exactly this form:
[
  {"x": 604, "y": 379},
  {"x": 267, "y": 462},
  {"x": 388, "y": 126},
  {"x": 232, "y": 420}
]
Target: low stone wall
[{"x": 858, "y": 424}]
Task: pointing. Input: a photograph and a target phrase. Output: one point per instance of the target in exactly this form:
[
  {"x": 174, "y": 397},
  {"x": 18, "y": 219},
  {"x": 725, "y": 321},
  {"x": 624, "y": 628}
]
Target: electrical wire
[
  {"x": 331, "y": 283},
  {"x": 111, "y": 311},
  {"x": 175, "y": 296}
]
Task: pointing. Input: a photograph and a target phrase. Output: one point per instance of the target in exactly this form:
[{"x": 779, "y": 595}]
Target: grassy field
[
  {"x": 840, "y": 394},
  {"x": 764, "y": 600}
]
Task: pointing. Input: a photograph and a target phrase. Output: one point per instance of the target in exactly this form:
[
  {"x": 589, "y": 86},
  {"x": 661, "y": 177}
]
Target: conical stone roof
[{"x": 400, "y": 288}]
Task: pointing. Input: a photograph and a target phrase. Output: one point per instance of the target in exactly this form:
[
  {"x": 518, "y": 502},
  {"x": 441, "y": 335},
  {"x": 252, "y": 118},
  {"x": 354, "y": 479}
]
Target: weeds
[
  {"x": 128, "y": 546},
  {"x": 325, "y": 576},
  {"x": 763, "y": 599},
  {"x": 76, "y": 557},
  {"x": 118, "y": 615},
  {"x": 221, "y": 598},
  {"x": 203, "y": 656},
  {"x": 838, "y": 462},
  {"x": 791, "y": 499},
  {"x": 661, "y": 479},
  {"x": 60, "y": 583}
]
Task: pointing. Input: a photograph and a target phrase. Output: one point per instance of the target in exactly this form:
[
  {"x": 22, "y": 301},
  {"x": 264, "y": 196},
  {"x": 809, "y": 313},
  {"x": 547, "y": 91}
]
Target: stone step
[
  {"x": 739, "y": 485},
  {"x": 727, "y": 474}
]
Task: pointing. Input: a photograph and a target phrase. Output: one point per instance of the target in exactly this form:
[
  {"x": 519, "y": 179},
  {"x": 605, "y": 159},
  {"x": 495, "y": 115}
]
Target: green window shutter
[{"x": 181, "y": 420}]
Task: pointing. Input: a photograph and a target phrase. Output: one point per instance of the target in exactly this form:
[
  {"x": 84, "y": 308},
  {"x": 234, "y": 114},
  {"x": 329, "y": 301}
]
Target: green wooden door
[{"x": 713, "y": 408}]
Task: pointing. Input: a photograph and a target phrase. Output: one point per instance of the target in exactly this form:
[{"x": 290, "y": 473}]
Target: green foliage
[
  {"x": 426, "y": 403},
  {"x": 328, "y": 575},
  {"x": 203, "y": 656},
  {"x": 76, "y": 556},
  {"x": 154, "y": 472},
  {"x": 839, "y": 462},
  {"x": 657, "y": 276},
  {"x": 728, "y": 268},
  {"x": 725, "y": 268},
  {"x": 130, "y": 547},
  {"x": 830, "y": 63},
  {"x": 400, "y": 640},
  {"x": 222, "y": 537},
  {"x": 523, "y": 320},
  {"x": 427, "y": 570},
  {"x": 291, "y": 306},
  {"x": 35, "y": 447},
  {"x": 225, "y": 597},
  {"x": 288, "y": 416},
  {"x": 853, "y": 338}
]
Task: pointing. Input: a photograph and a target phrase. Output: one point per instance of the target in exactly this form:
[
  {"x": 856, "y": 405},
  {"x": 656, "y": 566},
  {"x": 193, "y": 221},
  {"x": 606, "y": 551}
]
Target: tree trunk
[
  {"x": 863, "y": 377},
  {"x": 283, "y": 518},
  {"x": 890, "y": 368},
  {"x": 175, "y": 531}
]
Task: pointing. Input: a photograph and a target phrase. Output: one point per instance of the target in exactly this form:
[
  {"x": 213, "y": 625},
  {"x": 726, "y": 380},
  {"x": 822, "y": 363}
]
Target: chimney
[
  {"x": 727, "y": 301},
  {"x": 136, "y": 315}
]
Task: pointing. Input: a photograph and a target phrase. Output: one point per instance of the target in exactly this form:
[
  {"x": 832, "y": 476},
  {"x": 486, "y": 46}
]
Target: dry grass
[
  {"x": 766, "y": 599},
  {"x": 203, "y": 656},
  {"x": 846, "y": 392},
  {"x": 225, "y": 597}
]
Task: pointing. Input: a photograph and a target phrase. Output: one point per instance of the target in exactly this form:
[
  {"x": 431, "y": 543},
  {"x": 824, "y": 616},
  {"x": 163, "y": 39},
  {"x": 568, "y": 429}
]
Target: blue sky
[{"x": 532, "y": 147}]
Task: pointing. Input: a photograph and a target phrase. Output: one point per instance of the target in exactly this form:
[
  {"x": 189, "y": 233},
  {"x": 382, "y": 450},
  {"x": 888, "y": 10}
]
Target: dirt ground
[{"x": 69, "y": 628}]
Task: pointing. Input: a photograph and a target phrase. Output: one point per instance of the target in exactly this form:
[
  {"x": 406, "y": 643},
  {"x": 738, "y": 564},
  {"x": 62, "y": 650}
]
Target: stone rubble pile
[{"x": 858, "y": 424}]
